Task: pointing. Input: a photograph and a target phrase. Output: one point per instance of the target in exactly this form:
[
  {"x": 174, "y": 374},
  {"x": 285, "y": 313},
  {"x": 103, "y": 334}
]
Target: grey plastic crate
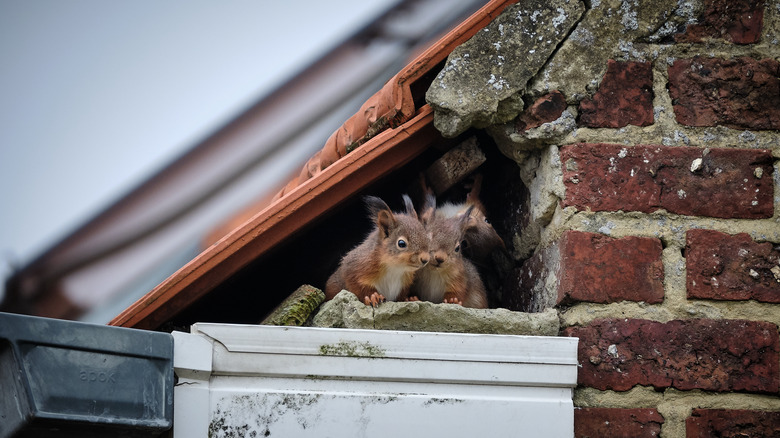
[{"x": 64, "y": 378}]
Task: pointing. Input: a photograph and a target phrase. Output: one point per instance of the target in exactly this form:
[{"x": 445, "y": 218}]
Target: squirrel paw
[
  {"x": 374, "y": 300},
  {"x": 411, "y": 299},
  {"x": 453, "y": 300}
]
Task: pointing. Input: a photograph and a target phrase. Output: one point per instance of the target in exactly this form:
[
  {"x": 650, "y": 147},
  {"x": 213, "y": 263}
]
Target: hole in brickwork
[
  {"x": 310, "y": 256},
  {"x": 506, "y": 199}
]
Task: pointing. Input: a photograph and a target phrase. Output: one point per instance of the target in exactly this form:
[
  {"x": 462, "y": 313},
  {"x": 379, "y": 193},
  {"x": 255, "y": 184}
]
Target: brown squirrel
[
  {"x": 449, "y": 277},
  {"x": 383, "y": 266},
  {"x": 481, "y": 238}
]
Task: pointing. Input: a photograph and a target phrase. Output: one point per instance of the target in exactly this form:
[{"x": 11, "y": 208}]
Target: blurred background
[{"x": 132, "y": 132}]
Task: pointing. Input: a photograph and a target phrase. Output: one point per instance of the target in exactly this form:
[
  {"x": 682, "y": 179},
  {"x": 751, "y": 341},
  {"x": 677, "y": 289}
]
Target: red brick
[
  {"x": 625, "y": 97},
  {"x": 600, "y": 269},
  {"x": 546, "y": 109},
  {"x": 741, "y": 93},
  {"x": 606, "y": 422},
  {"x": 711, "y": 355},
  {"x": 727, "y": 183},
  {"x": 706, "y": 423},
  {"x": 591, "y": 267},
  {"x": 737, "y": 21},
  {"x": 725, "y": 267}
]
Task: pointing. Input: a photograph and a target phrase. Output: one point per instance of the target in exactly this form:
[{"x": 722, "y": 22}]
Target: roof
[{"x": 391, "y": 128}]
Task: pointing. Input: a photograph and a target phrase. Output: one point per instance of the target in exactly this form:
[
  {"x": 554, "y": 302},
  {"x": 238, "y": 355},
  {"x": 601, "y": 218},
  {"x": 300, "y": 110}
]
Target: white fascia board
[{"x": 392, "y": 355}]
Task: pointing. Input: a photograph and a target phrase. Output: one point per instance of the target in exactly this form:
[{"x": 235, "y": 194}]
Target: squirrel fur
[
  {"x": 449, "y": 277},
  {"x": 383, "y": 266},
  {"x": 481, "y": 238}
]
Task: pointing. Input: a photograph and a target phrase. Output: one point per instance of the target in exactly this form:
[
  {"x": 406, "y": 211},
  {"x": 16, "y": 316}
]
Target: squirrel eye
[
  {"x": 487, "y": 221},
  {"x": 457, "y": 247},
  {"x": 401, "y": 243}
]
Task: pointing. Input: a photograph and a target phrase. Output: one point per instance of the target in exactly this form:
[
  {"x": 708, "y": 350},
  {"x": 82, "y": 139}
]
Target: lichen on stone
[
  {"x": 484, "y": 79},
  {"x": 609, "y": 29},
  {"x": 346, "y": 311}
]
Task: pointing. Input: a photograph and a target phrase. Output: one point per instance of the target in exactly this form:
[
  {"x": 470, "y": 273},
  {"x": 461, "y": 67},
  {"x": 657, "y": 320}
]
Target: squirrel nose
[
  {"x": 440, "y": 259},
  {"x": 424, "y": 259}
]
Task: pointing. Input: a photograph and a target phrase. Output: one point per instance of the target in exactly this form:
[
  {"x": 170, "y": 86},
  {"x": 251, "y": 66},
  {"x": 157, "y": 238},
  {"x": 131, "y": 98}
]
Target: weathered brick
[
  {"x": 711, "y": 355},
  {"x": 737, "y": 21},
  {"x": 742, "y": 93},
  {"x": 603, "y": 422},
  {"x": 601, "y": 269},
  {"x": 591, "y": 267},
  {"x": 724, "y": 183},
  {"x": 625, "y": 97},
  {"x": 705, "y": 423},
  {"x": 544, "y": 110},
  {"x": 725, "y": 267}
]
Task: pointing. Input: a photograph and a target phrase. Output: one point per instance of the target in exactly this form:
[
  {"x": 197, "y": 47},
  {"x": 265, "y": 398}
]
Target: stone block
[
  {"x": 346, "y": 311},
  {"x": 484, "y": 79},
  {"x": 609, "y": 29}
]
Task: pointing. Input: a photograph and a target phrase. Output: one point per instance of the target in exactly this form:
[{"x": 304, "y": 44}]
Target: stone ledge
[{"x": 346, "y": 311}]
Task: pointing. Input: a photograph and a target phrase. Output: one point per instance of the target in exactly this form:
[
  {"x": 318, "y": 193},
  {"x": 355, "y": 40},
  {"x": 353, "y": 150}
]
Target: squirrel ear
[
  {"x": 385, "y": 220},
  {"x": 381, "y": 213},
  {"x": 476, "y": 187},
  {"x": 409, "y": 206},
  {"x": 429, "y": 208},
  {"x": 472, "y": 217},
  {"x": 467, "y": 220},
  {"x": 374, "y": 205}
]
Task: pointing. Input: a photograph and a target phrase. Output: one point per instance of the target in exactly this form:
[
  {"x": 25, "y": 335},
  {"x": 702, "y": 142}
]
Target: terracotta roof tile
[{"x": 394, "y": 103}]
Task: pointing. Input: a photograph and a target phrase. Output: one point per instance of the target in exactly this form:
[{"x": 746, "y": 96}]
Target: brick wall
[
  {"x": 649, "y": 141},
  {"x": 663, "y": 254}
]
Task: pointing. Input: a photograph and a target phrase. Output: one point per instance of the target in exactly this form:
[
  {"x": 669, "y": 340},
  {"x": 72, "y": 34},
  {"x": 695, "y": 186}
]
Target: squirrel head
[
  {"x": 480, "y": 234},
  {"x": 402, "y": 239},
  {"x": 447, "y": 233}
]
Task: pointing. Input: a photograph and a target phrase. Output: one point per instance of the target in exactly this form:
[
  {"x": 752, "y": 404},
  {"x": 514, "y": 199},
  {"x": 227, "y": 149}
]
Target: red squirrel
[
  {"x": 449, "y": 277},
  {"x": 481, "y": 238},
  {"x": 383, "y": 266}
]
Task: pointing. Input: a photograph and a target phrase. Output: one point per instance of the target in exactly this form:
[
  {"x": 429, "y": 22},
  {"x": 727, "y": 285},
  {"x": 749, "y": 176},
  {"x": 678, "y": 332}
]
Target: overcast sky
[{"x": 96, "y": 95}]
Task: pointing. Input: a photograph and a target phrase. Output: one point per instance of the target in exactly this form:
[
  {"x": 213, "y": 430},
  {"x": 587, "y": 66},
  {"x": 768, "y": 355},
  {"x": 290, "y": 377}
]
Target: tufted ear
[
  {"x": 381, "y": 214},
  {"x": 467, "y": 220},
  {"x": 429, "y": 209},
  {"x": 473, "y": 196},
  {"x": 409, "y": 206},
  {"x": 472, "y": 218}
]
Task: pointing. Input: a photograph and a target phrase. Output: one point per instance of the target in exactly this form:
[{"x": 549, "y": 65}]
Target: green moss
[
  {"x": 297, "y": 308},
  {"x": 352, "y": 349}
]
